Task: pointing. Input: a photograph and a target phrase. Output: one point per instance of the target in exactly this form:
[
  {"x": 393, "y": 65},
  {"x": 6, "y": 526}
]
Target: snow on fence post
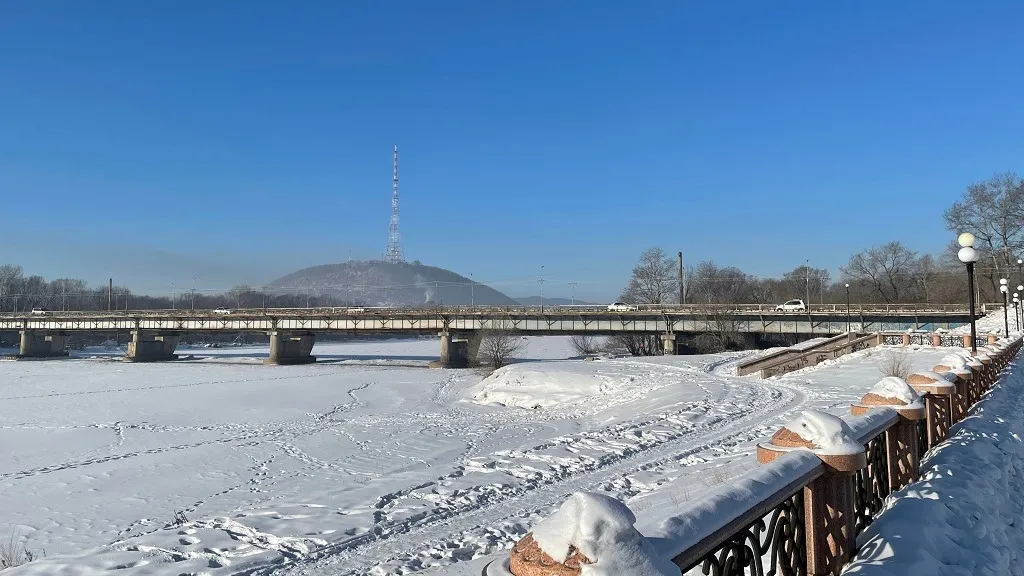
[
  {"x": 940, "y": 390},
  {"x": 830, "y": 507},
  {"x": 903, "y": 449}
]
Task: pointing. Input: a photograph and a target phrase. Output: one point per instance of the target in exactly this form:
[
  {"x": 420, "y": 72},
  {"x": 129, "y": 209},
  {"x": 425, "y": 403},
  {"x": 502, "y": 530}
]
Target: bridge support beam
[
  {"x": 668, "y": 344},
  {"x": 152, "y": 347},
  {"x": 42, "y": 344},
  {"x": 291, "y": 348}
]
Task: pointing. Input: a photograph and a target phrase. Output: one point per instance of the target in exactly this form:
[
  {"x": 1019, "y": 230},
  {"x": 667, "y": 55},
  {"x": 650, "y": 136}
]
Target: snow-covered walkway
[{"x": 966, "y": 514}]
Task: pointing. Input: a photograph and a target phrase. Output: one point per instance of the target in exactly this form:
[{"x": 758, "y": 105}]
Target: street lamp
[
  {"x": 968, "y": 255},
  {"x": 1016, "y": 310},
  {"x": 1006, "y": 305},
  {"x": 1020, "y": 266},
  {"x": 173, "y": 306},
  {"x": 193, "y": 293},
  {"x": 847, "y": 307},
  {"x": 541, "y": 281}
]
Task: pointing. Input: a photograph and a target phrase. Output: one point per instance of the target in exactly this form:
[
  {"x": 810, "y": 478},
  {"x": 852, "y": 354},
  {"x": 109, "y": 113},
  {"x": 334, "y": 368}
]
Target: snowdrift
[{"x": 536, "y": 386}]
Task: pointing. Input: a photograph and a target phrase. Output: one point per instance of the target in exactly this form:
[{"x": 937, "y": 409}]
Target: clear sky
[{"x": 238, "y": 141}]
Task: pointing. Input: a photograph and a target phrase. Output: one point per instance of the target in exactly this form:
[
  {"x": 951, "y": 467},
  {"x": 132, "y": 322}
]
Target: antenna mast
[{"x": 394, "y": 253}]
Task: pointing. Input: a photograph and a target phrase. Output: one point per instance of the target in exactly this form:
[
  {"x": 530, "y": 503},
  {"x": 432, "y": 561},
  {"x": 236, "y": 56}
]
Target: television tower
[{"x": 394, "y": 253}]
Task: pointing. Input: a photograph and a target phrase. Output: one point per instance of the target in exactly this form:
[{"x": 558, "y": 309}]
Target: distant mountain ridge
[{"x": 378, "y": 283}]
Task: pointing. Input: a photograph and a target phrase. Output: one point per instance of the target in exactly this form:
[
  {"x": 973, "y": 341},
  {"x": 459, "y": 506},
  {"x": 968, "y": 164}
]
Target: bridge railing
[{"x": 645, "y": 309}]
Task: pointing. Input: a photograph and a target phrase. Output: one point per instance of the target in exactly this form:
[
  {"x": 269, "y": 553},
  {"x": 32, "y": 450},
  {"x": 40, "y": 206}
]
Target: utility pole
[
  {"x": 110, "y": 295},
  {"x": 573, "y": 299},
  {"x": 541, "y": 281},
  {"x": 193, "y": 293},
  {"x": 472, "y": 297},
  {"x": 682, "y": 291}
]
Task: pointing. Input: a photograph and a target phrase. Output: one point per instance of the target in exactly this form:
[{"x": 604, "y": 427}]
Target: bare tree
[
  {"x": 654, "y": 279},
  {"x": 895, "y": 363},
  {"x": 584, "y": 344},
  {"x": 886, "y": 270},
  {"x": 992, "y": 210},
  {"x": 499, "y": 345}
]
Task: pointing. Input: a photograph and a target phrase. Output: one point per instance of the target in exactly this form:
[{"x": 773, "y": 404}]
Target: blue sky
[{"x": 238, "y": 141}]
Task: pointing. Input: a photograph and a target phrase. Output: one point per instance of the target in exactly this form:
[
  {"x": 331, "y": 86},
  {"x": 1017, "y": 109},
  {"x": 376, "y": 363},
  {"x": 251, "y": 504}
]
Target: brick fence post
[
  {"x": 901, "y": 438},
  {"x": 830, "y": 509},
  {"x": 939, "y": 401}
]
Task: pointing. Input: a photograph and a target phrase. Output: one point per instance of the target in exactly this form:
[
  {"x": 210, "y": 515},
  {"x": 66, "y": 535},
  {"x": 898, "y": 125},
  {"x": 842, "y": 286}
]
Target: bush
[
  {"x": 895, "y": 363},
  {"x": 14, "y": 553},
  {"x": 585, "y": 344},
  {"x": 499, "y": 346}
]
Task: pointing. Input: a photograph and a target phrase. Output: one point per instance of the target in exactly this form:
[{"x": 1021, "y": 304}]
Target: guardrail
[{"x": 801, "y": 511}]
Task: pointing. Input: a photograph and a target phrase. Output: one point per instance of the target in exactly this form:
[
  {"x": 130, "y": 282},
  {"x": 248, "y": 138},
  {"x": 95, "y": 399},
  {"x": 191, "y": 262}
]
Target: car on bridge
[
  {"x": 221, "y": 311},
  {"x": 40, "y": 311},
  {"x": 791, "y": 306},
  {"x": 622, "y": 307}
]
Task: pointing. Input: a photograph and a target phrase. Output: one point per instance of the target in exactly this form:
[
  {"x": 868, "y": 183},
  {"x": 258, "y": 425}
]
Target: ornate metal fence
[
  {"x": 763, "y": 548},
  {"x": 872, "y": 483}
]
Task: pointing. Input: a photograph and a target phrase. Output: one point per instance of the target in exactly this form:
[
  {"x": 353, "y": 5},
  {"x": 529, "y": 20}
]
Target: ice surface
[
  {"x": 895, "y": 387},
  {"x": 829, "y": 434},
  {"x": 367, "y": 450},
  {"x": 602, "y": 529}
]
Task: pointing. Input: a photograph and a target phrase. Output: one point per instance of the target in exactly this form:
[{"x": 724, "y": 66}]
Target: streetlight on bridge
[{"x": 968, "y": 255}]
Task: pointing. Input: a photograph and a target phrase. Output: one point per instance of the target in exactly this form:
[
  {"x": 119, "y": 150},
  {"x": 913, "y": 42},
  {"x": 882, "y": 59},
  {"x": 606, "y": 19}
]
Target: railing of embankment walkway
[{"x": 800, "y": 511}]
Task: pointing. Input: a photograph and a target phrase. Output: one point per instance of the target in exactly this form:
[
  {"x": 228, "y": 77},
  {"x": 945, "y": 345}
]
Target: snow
[
  {"x": 954, "y": 361},
  {"x": 963, "y": 516},
  {"x": 895, "y": 387},
  {"x": 367, "y": 462},
  {"x": 538, "y": 385},
  {"x": 808, "y": 343},
  {"x": 676, "y": 529},
  {"x": 829, "y": 434},
  {"x": 601, "y": 528}
]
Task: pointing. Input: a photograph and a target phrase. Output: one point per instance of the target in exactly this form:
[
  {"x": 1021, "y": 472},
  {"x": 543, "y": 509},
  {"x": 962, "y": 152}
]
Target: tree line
[
  {"x": 21, "y": 293},
  {"x": 890, "y": 273}
]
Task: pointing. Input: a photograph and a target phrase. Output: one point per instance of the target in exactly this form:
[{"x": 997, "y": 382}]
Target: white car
[
  {"x": 40, "y": 311},
  {"x": 221, "y": 311},
  {"x": 622, "y": 307},
  {"x": 791, "y": 306}
]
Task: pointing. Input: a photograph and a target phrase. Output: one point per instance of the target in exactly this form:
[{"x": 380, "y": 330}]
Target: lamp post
[
  {"x": 847, "y": 307},
  {"x": 472, "y": 297},
  {"x": 1020, "y": 266},
  {"x": 173, "y": 292},
  {"x": 1016, "y": 310},
  {"x": 193, "y": 293},
  {"x": 968, "y": 255},
  {"x": 1006, "y": 305}
]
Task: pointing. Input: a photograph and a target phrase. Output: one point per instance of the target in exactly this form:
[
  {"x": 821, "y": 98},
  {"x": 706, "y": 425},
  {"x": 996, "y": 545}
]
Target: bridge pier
[
  {"x": 668, "y": 344},
  {"x": 458, "y": 351},
  {"x": 152, "y": 347},
  {"x": 42, "y": 344},
  {"x": 291, "y": 348}
]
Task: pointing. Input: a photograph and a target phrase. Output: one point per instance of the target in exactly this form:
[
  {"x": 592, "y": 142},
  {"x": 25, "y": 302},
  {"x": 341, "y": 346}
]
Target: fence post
[
  {"x": 906, "y": 339},
  {"x": 939, "y": 401},
  {"x": 901, "y": 438},
  {"x": 936, "y": 339},
  {"x": 830, "y": 509}
]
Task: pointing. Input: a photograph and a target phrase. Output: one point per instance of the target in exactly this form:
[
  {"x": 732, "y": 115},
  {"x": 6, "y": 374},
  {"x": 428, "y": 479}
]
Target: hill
[{"x": 377, "y": 283}]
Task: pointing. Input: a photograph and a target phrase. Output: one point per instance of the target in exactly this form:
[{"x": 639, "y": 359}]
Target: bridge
[{"x": 156, "y": 333}]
